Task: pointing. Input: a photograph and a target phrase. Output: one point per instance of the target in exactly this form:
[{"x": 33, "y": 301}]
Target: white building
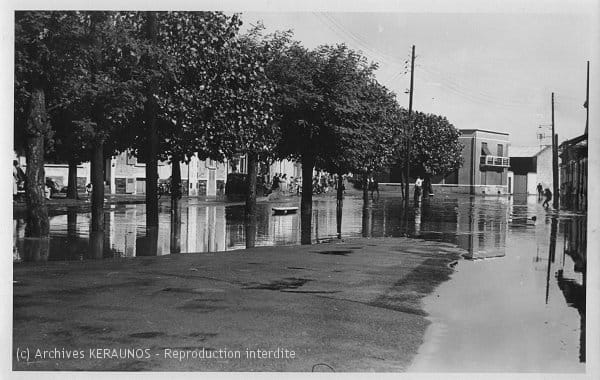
[
  {"x": 530, "y": 166},
  {"x": 126, "y": 174}
]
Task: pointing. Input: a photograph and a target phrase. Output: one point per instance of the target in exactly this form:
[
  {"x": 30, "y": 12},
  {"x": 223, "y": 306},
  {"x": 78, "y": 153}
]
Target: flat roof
[
  {"x": 483, "y": 130},
  {"x": 526, "y": 151}
]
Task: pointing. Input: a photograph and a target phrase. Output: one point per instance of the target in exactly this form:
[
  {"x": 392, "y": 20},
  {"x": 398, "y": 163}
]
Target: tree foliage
[{"x": 435, "y": 148}]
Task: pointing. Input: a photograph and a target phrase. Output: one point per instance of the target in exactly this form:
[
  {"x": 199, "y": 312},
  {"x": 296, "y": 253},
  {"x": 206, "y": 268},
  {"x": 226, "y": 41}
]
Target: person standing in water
[
  {"x": 548, "y": 195},
  {"x": 418, "y": 188}
]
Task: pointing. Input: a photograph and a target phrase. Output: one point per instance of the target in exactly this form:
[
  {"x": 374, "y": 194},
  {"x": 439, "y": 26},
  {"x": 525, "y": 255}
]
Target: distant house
[
  {"x": 126, "y": 174},
  {"x": 485, "y": 164},
  {"x": 574, "y": 172},
  {"x": 484, "y": 169},
  {"x": 529, "y": 166}
]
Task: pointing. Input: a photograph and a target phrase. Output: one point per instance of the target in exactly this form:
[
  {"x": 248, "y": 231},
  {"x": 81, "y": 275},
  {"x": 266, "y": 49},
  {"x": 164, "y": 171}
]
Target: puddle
[{"x": 286, "y": 283}]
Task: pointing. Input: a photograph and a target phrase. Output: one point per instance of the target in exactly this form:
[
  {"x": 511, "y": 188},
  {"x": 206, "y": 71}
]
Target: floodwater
[{"x": 515, "y": 303}]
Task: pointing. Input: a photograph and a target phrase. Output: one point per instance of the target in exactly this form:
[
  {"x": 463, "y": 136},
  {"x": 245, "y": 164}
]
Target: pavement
[{"x": 349, "y": 306}]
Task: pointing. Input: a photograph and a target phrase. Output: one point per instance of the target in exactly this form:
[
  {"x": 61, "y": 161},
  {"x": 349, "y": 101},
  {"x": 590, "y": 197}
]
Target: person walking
[
  {"x": 418, "y": 188},
  {"x": 540, "y": 191},
  {"x": 373, "y": 186},
  {"x": 548, "y": 195}
]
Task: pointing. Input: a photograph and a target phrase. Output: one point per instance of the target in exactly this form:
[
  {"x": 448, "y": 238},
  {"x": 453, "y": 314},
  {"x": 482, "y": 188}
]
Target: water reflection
[
  {"x": 175, "y": 227},
  {"x": 574, "y": 292},
  {"x": 475, "y": 225}
]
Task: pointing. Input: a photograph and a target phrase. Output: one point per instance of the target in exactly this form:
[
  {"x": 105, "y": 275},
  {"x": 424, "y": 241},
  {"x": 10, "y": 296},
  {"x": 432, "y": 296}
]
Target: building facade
[
  {"x": 126, "y": 174},
  {"x": 530, "y": 166},
  {"x": 574, "y": 172},
  {"x": 485, "y": 165}
]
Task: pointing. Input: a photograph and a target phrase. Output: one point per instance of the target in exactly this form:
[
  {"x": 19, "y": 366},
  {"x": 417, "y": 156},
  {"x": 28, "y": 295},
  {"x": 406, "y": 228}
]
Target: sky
[{"x": 490, "y": 70}]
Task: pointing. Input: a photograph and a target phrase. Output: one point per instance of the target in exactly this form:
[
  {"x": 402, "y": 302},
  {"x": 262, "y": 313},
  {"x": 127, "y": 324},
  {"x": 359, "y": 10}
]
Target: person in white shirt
[{"x": 418, "y": 188}]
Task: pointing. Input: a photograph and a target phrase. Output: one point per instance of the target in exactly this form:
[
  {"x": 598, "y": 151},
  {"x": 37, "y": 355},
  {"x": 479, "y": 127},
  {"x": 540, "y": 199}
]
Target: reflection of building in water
[
  {"x": 285, "y": 228},
  {"x": 485, "y": 228},
  {"x": 123, "y": 231},
  {"x": 574, "y": 290},
  {"x": 576, "y": 243},
  {"x": 206, "y": 229}
]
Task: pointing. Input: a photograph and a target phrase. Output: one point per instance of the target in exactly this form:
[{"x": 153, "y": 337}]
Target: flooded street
[
  {"x": 516, "y": 301},
  {"x": 523, "y": 312}
]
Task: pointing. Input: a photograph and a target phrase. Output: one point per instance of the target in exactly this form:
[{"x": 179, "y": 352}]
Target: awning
[{"x": 485, "y": 151}]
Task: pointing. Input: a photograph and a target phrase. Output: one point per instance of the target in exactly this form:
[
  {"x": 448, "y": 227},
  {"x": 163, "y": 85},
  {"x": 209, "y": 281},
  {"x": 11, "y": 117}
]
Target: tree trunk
[
  {"x": 250, "y": 231},
  {"x": 97, "y": 170},
  {"x": 339, "y": 205},
  {"x": 306, "y": 202},
  {"x": 250, "y": 211},
  {"x": 365, "y": 186},
  {"x": 407, "y": 184},
  {"x": 152, "y": 139},
  {"x": 402, "y": 185},
  {"x": 96, "y": 244},
  {"x": 340, "y": 187},
  {"x": 176, "y": 190},
  {"x": 367, "y": 217},
  {"x": 251, "y": 184},
  {"x": 175, "y": 226},
  {"x": 72, "y": 182},
  {"x": 152, "y": 170},
  {"x": 71, "y": 222},
  {"x": 175, "y": 207},
  {"x": 36, "y": 129}
]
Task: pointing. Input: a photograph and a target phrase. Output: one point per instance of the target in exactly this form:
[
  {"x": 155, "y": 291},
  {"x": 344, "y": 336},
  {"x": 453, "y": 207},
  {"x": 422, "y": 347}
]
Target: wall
[
  {"x": 544, "y": 168},
  {"x": 532, "y": 181},
  {"x": 465, "y": 172}
]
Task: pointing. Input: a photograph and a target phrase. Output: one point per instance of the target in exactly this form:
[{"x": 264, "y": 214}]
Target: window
[
  {"x": 484, "y": 149},
  {"x": 500, "y": 150}
]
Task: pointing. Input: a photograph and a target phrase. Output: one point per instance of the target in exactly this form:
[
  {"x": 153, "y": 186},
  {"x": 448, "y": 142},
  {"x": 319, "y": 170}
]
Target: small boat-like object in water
[{"x": 284, "y": 210}]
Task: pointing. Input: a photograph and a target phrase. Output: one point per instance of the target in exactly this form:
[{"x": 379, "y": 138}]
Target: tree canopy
[{"x": 435, "y": 148}]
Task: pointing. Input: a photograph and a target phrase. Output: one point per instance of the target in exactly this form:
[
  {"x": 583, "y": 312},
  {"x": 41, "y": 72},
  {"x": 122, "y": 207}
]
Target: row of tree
[{"x": 168, "y": 85}]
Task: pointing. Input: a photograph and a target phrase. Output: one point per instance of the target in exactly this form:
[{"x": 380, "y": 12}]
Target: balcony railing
[{"x": 497, "y": 161}]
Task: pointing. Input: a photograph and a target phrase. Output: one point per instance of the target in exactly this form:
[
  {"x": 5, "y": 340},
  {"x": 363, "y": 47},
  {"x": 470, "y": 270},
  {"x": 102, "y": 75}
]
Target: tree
[
  {"x": 69, "y": 143},
  {"x": 186, "y": 63},
  {"x": 244, "y": 110},
  {"x": 435, "y": 148},
  {"x": 107, "y": 93},
  {"x": 361, "y": 113},
  {"x": 42, "y": 62},
  {"x": 299, "y": 110}
]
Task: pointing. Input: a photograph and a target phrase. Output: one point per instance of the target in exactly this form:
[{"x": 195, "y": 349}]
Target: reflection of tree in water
[{"x": 574, "y": 293}]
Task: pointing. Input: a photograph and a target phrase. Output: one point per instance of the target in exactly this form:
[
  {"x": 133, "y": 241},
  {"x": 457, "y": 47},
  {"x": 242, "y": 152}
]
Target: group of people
[
  {"x": 546, "y": 193},
  {"x": 282, "y": 183},
  {"x": 19, "y": 179}
]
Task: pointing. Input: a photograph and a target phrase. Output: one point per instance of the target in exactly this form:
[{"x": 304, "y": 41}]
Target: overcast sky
[{"x": 491, "y": 71}]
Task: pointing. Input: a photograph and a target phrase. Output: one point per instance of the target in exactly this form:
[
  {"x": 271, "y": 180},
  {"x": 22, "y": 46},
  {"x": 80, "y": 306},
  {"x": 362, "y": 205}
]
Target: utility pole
[
  {"x": 554, "y": 160},
  {"x": 587, "y": 98},
  {"x": 409, "y": 126}
]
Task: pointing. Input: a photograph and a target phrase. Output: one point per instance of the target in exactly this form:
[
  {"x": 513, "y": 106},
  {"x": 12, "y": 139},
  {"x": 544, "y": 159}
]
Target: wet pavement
[
  {"x": 516, "y": 301},
  {"x": 350, "y": 306}
]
